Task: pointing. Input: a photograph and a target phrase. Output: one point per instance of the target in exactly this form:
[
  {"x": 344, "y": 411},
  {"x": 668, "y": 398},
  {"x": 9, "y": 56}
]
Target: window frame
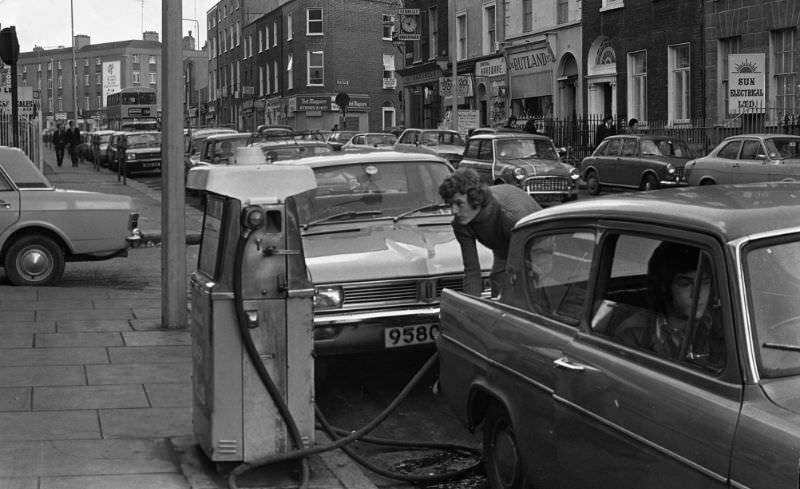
[
  {"x": 679, "y": 83},
  {"x": 309, "y": 67},
  {"x": 319, "y": 21},
  {"x": 637, "y": 85}
]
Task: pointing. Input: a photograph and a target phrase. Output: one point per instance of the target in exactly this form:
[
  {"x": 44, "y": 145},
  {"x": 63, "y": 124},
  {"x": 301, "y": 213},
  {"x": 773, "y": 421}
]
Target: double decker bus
[{"x": 132, "y": 109}]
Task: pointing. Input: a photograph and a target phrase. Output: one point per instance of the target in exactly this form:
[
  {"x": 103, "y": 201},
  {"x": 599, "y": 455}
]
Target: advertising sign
[
  {"x": 490, "y": 67},
  {"x": 305, "y": 103},
  {"x": 533, "y": 61},
  {"x": 112, "y": 78},
  {"x": 464, "y": 86},
  {"x": 746, "y": 86},
  {"x": 24, "y": 101}
]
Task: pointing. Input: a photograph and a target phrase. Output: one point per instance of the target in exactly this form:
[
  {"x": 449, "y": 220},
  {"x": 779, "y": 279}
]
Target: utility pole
[
  {"x": 451, "y": 7},
  {"x": 74, "y": 67},
  {"x": 173, "y": 250}
]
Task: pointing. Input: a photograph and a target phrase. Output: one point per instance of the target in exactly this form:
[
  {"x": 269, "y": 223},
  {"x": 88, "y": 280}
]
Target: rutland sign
[{"x": 533, "y": 61}]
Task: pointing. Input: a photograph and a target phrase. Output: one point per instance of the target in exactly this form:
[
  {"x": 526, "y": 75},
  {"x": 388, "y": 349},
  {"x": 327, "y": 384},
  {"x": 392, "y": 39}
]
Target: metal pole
[
  {"x": 74, "y": 74},
  {"x": 173, "y": 250},
  {"x": 451, "y": 6}
]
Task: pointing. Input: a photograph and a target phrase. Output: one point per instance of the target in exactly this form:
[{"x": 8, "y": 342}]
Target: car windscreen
[
  {"x": 665, "y": 147},
  {"x": 292, "y": 152},
  {"x": 772, "y": 272},
  {"x": 434, "y": 138},
  {"x": 526, "y": 148},
  {"x": 375, "y": 190},
  {"x": 22, "y": 171},
  {"x": 144, "y": 140},
  {"x": 783, "y": 148},
  {"x": 381, "y": 139}
]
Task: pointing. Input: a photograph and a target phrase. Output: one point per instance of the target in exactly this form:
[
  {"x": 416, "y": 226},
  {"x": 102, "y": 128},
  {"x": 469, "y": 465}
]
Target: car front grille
[
  {"x": 679, "y": 176},
  {"x": 393, "y": 292},
  {"x": 548, "y": 184}
]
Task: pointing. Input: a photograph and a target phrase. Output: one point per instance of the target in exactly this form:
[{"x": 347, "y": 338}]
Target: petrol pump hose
[{"x": 333, "y": 432}]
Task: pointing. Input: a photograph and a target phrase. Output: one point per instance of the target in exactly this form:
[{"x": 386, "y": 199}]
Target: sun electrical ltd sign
[{"x": 746, "y": 83}]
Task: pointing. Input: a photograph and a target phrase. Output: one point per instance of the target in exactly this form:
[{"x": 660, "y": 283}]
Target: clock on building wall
[{"x": 408, "y": 23}]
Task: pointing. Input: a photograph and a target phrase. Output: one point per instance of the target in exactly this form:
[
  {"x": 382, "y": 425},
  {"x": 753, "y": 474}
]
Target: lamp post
[
  {"x": 451, "y": 7},
  {"x": 74, "y": 64}
]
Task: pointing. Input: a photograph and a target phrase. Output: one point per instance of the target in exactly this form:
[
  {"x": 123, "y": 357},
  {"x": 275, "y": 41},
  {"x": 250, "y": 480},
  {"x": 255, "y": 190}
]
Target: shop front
[
  {"x": 490, "y": 91},
  {"x": 320, "y": 113},
  {"x": 421, "y": 99},
  {"x": 531, "y": 81}
]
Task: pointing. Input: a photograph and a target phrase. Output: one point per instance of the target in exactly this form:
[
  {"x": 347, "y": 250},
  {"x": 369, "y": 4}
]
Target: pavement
[{"x": 95, "y": 393}]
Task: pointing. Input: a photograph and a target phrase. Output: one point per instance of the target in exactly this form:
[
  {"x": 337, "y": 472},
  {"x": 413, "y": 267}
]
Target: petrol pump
[{"x": 251, "y": 314}]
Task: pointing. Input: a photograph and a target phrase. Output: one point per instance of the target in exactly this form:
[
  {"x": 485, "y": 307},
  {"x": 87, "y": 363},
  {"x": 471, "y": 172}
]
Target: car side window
[
  {"x": 471, "y": 151},
  {"x": 612, "y": 148},
  {"x": 557, "y": 270},
  {"x": 4, "y": 184},
  {"x": 660, "y": 297},
  {"x": 751, "y": 149},
  {"x": 629, "y": 147},
  {"x": 485, "y": 151},
  {"x": 730, "y": 151}
]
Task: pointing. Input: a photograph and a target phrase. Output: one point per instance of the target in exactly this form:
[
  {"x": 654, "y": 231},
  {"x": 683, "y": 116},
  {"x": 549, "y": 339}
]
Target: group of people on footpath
[
  {"x": 67, "y": 139},
  {"x": 606, "y": 128}
]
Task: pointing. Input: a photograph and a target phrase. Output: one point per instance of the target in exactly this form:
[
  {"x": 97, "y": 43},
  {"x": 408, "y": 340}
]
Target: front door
[{"x": 637, "y": 414}]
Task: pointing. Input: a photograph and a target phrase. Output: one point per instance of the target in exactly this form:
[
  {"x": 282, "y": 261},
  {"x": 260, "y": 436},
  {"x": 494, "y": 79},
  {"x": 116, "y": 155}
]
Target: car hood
[
  {"x": 538, "y": 167},
  {"x": 63, "y": 199},
  {"x": 154, "y": 149},
  {"x": 384, "y": 249}
]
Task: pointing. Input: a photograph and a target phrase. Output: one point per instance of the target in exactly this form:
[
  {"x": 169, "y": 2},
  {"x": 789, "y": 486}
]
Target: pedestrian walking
[
  {"x": 59, "y": 143},
  {"x": 74, "y": 141},
  {"x": 604, "y": 130},
  {"x": 485, "y": 214},
  {"x": 633, "y": 125}
]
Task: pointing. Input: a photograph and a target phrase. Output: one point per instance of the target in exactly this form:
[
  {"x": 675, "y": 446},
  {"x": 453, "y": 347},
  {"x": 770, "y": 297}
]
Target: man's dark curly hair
[{"x": 465, "y": 181}]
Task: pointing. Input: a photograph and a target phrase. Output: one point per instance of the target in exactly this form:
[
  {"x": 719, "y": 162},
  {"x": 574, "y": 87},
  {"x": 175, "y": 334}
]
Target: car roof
[
  {"x": 508, "y": 135},
  {"x": 229, "y": 135},
  {"x": 285, "y": 142},
  {"x": 136, "y": 133},
  {"x": 762, "y": 136},
  {"x": 655, "y": 137},
  {"x": 361, "y": 158},
  {"x": 728, "y": 212}
]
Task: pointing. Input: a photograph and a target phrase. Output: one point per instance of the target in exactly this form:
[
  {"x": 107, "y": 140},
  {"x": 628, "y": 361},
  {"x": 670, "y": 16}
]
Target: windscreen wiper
[
  {"x": 426, "y": 207},
  {"x": 781, "y": 346},
  {"x": 342, "y": 215}
]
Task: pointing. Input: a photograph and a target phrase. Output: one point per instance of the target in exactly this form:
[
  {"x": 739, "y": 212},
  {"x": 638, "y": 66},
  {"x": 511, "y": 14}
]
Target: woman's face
[{"x": 682, "y": 290}]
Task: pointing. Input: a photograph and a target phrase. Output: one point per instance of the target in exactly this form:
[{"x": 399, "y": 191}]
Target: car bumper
[
  {"x": 673, "y": 183},
  {"x": 366, "y": 331}
]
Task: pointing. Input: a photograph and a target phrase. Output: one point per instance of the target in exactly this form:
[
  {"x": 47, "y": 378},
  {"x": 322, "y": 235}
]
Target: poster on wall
[
  {"x": 746, "y": 86},
  {"x": 112, "y": 80}
]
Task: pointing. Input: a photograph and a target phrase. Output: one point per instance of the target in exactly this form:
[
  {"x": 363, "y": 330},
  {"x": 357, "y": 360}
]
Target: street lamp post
[{"x": 74, "y": 64}]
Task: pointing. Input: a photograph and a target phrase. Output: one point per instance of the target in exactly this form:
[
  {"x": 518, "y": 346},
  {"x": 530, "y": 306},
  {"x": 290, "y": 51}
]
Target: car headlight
[
  {"x": 670, "y": 169},
  {"x": 130, "y": 156},
  {"x": 328, "y": 297},
  {"x": 519, "y": 174},
  {"x": 574, "y": 174}
]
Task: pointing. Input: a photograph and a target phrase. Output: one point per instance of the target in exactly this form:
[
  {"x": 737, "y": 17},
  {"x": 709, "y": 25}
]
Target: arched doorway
[
  {"x": 602, "y": 78},
  {"x": 567, "y": 86}
]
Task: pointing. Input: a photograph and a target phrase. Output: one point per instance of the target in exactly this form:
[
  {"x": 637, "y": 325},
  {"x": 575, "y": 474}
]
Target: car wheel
[
  {"x": 34, "y": 260},
  {"x": 649, "y": 182},
  {"x": 592, "y": 183},
  {"x": 500, "y": 451},
  {"x": 707, "y": 181}
]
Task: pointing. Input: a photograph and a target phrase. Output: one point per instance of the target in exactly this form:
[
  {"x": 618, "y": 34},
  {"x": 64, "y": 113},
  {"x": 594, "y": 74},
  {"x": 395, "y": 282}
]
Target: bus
[{"x": 133, "y": 109}]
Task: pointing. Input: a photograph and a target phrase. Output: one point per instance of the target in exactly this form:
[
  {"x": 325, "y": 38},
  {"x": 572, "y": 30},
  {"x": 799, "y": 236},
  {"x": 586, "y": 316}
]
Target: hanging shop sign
[{"x": 747, "y": 86}]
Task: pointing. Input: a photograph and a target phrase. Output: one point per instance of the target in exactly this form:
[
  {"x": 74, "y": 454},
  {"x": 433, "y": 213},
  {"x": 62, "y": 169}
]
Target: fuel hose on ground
[{"x": 338, "y": 434}]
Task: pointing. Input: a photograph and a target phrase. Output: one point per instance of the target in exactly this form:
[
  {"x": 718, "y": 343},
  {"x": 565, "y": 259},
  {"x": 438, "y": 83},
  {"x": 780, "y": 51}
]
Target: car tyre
[
  {"x": 650, "y": 182},
  {"x": 34, "y": 260},
  {"x": 592, "y": 183},
  {"x": 707, "y": 181},
  {"x": 501, "y": 454}
]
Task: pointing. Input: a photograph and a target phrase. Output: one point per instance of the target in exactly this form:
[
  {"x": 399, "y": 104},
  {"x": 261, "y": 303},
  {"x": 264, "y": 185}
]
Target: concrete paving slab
[
  {"x": 157, "y": 338},
  {"x": 10, "y": 317},
  {"x": 149, "y": 324},
  {"x": 129, "y": 303},
  {"x": 81, "y": 304},
  {"x": 12, "y": 327},
  {"x": 89, "y": 397},
  {"x": 142, "y": 481},
  {"x": 169, "y": 395},
  {"x": 53, "y": 356},
  {"x": 146, "y": 423},
  {"x": 85, "y": 457},
  {"x": 150, "y": 354},
  {"x": 86, "y": 339},
  {"x": 15, "y": 399},
  {"x": 11, "y": 294},
  {"x": 18, "y": 483},
  {"x": 147, "y": 312},
  {"x": 162, "y": 373},
  {"x": 49, "y": 425},
  {"x": 96, "y": 314},
  {"x": 78, "y": 325},
  {"x": 16, "y": 340},
  {"x": 61, "y": 293},
  {"x": 33, "y": 375}
]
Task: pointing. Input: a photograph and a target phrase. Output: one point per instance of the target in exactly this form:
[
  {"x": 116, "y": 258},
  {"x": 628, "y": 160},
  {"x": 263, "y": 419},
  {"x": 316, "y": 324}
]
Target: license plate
[
  {"x": 150, "y": 165},
  {"x": 410, "y": 335}
]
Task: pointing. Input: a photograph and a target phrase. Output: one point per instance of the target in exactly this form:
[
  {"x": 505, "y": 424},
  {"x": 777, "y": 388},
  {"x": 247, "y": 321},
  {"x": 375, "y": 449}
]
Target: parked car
[
  {"x": 193, "y": 142},
  {"x": 370, "y": 141},
  {"x": 140, "y": 151},
  {"x": 290, "y": 149},
  {"x": 218, "y": 149},
  {"x": 99, "y": 146},
  {"x": 528, "y": 161},
  {"x": 113, "y": 147},
  {"x": 337, "y": 139},
  {"x": 566, "y": 399},
  {"x": 42, "y": 228},
  {"x": 440, "y": 142},
  {"x": 379, "y": 246},
  {"x": 748, "y": 158},
  {"x": 636, "y": 161}
]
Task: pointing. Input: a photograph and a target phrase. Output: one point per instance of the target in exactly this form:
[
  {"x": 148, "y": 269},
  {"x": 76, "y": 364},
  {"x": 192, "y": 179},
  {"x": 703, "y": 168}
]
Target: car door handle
[
  {"x": 5, "y": 205},
  {"x": 566, "y": 363}
]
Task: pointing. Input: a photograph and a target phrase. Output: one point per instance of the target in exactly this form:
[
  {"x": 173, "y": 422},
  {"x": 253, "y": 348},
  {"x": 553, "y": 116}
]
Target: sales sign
[
  {"x": 24, "y": 101},
  {"x": 746, "y": 85}
]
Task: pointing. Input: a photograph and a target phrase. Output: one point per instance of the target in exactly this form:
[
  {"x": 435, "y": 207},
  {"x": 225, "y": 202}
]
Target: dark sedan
[{"x": 636, "y": 161}]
